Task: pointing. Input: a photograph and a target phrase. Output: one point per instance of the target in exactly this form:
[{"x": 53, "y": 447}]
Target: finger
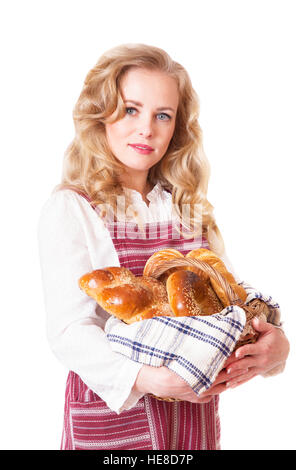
[
  {"x": 241, "y": 380},
  {"x": 194, "y": 398},
  {"x": 234, "y": 374},
  {"x": 205, "y": 399},
  {"x": 227, "y": 374},
  {"x": 247, "y": 350},
  {"x": 229, "y": 360},
  {"x": 261, "y": 326},
  {"x": 221, "y": 377},
  {"x": 214, "y": 390},
  {"x": 244, "y": 363}
]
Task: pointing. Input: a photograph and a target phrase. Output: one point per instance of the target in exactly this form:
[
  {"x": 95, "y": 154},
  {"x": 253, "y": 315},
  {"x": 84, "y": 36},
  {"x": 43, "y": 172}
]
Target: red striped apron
[{"x": 150, "y": 424}]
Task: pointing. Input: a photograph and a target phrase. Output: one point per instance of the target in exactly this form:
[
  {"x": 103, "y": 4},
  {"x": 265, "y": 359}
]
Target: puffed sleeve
[{"x": 75, "y": 331}]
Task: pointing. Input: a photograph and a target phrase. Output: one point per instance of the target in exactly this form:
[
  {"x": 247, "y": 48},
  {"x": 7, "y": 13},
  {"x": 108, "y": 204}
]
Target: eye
[
  {"x": 130, "y": 111},
  {"x": 164, "y": 117}
]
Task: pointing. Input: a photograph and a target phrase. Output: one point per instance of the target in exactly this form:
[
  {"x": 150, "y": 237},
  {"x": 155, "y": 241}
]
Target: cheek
[
  {"x": 115, "y": 132},
  {"x": 167, "y": 135}
]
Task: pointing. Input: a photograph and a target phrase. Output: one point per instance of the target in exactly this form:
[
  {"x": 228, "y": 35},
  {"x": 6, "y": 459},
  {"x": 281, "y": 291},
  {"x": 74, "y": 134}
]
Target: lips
[{"x": 142, "y": 147}]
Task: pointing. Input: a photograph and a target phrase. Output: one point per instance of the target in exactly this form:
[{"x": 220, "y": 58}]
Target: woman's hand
[
  {"x": 162, "y": 382},
  {"x": 270, "y": 350}
]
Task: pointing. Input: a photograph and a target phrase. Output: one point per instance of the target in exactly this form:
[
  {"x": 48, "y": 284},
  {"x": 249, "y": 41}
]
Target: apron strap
[{"x": 85, "y": 196}]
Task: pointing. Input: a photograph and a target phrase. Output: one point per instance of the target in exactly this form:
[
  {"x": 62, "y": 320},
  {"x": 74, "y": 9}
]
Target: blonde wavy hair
[{"x": 91, "y": 168}]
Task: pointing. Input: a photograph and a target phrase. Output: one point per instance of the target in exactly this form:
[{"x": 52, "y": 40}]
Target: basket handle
[{"x": 205, "y": 267}]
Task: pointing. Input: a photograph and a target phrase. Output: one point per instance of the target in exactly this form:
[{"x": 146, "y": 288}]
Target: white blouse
[{"x": 73, "y": 240}]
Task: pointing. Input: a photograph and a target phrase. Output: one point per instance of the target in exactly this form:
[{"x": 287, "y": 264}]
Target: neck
[{"x": 139, "y": 183}]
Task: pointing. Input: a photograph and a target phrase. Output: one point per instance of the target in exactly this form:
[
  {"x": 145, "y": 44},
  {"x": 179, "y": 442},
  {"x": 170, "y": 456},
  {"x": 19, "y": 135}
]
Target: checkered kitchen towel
[
  {"x": 193, "y": 347},
  {"x": 274, "y": 316}
]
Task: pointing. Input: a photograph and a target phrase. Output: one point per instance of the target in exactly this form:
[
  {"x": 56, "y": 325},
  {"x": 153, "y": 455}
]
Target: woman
[{"x": 137, "y": 156}]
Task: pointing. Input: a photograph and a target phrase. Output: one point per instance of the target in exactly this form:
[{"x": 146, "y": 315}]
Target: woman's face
[{"x": 140, "y": 139}]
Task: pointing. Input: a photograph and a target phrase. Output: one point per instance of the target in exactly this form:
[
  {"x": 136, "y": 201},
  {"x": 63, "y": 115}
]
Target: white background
[{"x": 241, "y": 58}]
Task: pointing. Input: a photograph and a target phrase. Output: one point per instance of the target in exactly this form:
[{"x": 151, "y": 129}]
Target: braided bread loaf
[{"x": 130, "y": 298}]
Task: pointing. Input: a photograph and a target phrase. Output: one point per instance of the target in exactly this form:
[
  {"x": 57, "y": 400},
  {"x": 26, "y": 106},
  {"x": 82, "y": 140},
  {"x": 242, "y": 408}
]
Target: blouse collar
[{"x": 156, "y": 192}]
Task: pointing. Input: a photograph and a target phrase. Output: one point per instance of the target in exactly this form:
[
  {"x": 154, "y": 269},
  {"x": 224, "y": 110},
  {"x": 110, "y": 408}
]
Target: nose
[{"x": 145, "y": 127}]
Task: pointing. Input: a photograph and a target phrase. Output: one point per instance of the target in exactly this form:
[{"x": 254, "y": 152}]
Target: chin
[{"x": 139, "y": 167}]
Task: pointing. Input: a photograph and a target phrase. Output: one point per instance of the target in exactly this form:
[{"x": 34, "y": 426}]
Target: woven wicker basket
[{"x": 256, "y": 308}]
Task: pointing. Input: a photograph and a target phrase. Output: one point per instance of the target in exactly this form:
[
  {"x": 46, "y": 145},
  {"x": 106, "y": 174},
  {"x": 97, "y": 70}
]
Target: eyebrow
[{"x": 137, "y": 103}]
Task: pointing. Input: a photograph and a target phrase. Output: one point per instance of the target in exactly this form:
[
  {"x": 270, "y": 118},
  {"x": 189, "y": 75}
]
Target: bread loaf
[
  {"x": 189, "y": 295},
  {"x": 118, "y": 291}
]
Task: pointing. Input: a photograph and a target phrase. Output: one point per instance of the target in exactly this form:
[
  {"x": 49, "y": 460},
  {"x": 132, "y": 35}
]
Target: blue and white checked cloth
[
  {"x": 193, "y": 347},
  {"x": 274, "y": 316}
]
